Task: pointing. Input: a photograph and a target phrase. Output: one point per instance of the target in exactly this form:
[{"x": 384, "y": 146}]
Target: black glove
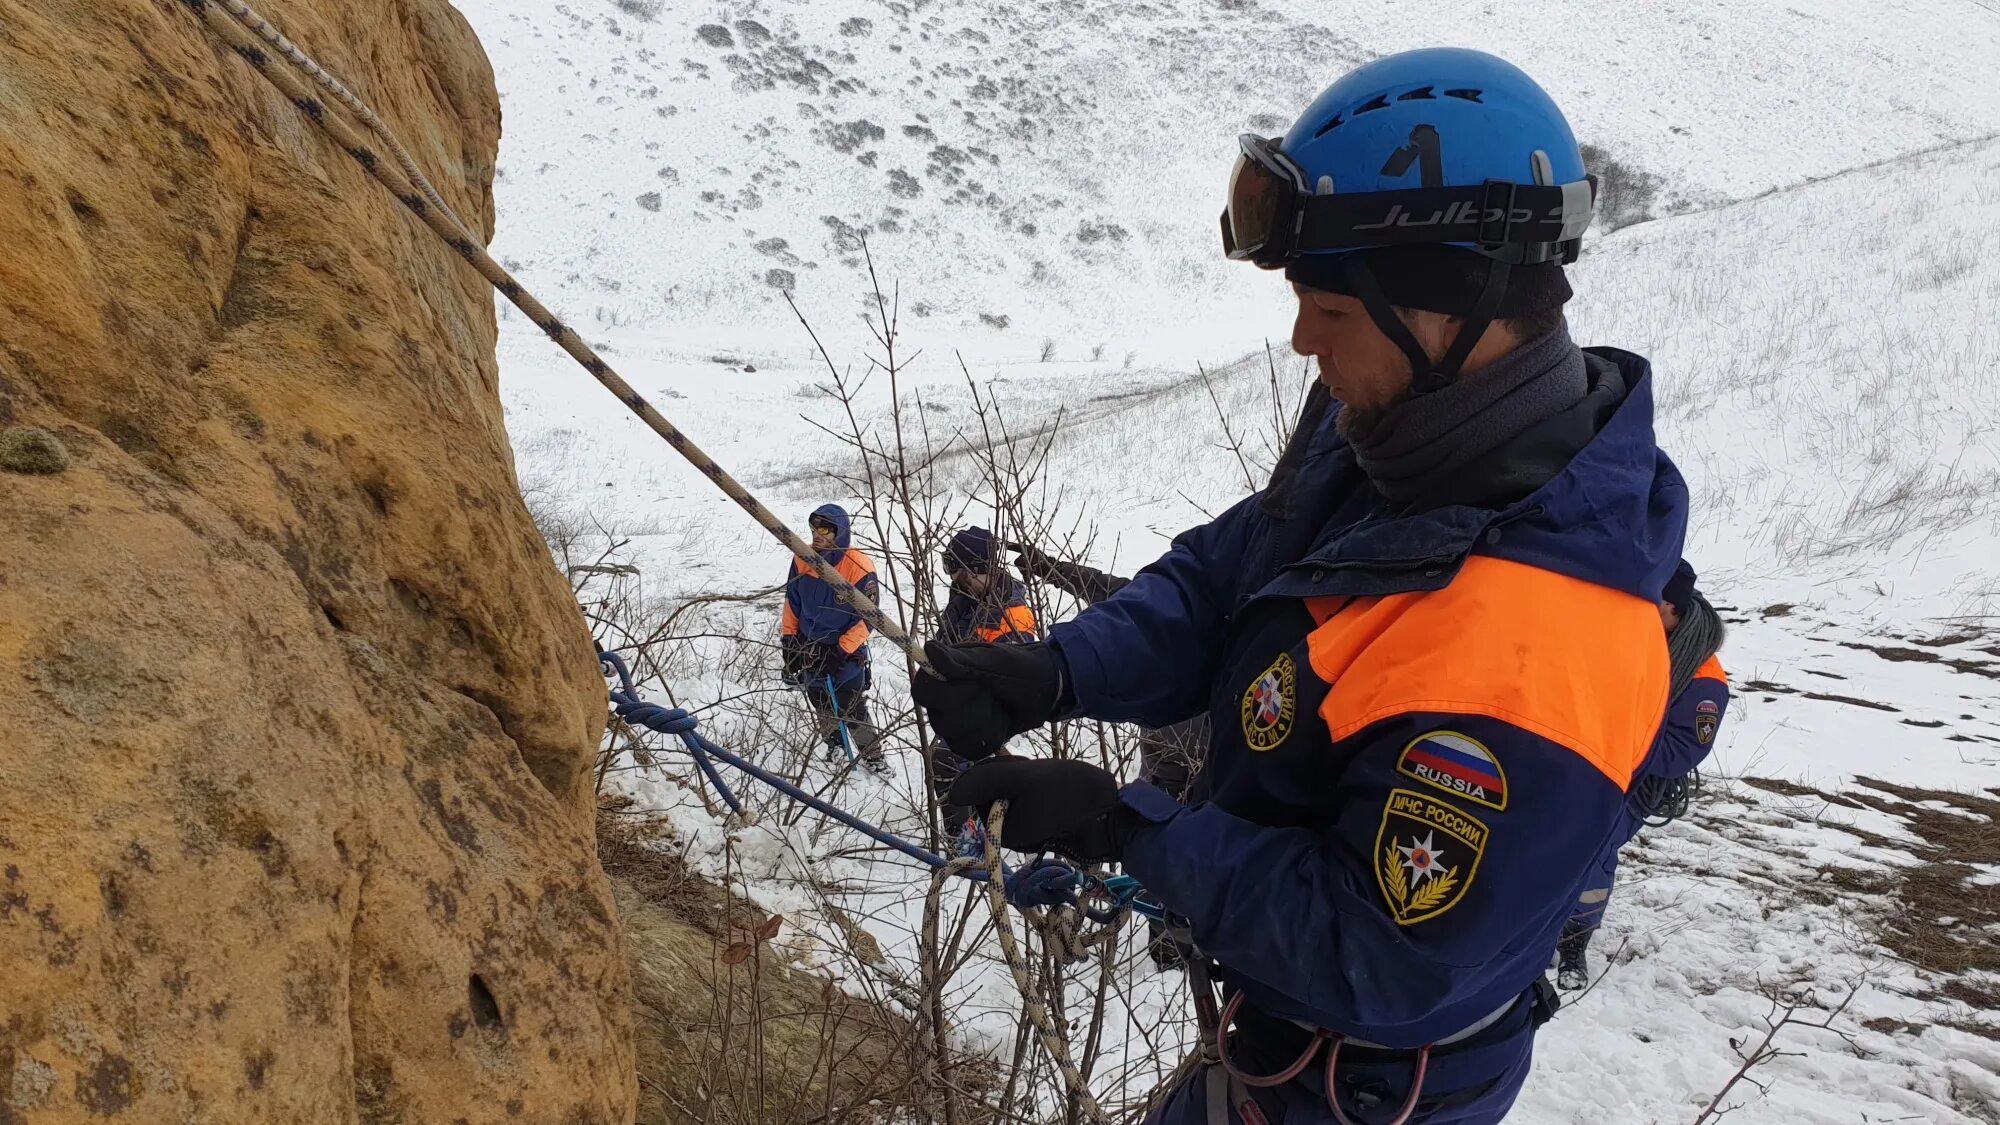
[
  {"x": 980, "y": 695},
  {"x": 806, "y": 660},
  {"x": 1069, "y": 807},
  {"x": 1033, "y": 561},
  {"x": 828, "y": 660}
]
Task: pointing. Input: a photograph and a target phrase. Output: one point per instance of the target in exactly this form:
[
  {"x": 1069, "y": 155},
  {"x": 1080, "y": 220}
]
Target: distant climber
[
  {"x": 987, "y": 605},
  {"x": 824, "y": 645},
  {"x": 1430, "y": 649},
  {"x": 1661, "y": 788}
]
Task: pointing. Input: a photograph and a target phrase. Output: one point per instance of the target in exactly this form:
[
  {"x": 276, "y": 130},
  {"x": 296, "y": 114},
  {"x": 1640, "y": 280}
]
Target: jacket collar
[{"x": 1615, "y": 515}]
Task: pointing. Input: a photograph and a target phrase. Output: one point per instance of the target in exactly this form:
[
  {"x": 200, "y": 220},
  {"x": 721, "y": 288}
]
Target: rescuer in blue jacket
[
  {"x": 823, "y": 641},
  {"x": 1429, "y": 649}
]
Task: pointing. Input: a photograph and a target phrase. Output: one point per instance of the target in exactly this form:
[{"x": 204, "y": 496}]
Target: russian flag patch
[{"x": 1457, "y": 764}]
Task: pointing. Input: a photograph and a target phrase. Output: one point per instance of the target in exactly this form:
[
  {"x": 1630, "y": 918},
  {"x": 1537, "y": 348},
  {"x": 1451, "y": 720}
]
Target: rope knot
[
  {"x": 1044, "y": 883},
  {"x": 666, "y": 720}
]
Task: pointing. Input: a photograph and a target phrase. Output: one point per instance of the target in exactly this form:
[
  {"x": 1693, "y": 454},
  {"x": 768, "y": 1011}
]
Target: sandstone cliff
[{"x": 295, "y": 714}]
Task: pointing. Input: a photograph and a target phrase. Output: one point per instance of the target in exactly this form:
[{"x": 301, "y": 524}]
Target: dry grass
[
  {"x": 722, "y": 1043},
  {"x": 1959, "y": 830},
  {"x": 1939, "y": 918}
]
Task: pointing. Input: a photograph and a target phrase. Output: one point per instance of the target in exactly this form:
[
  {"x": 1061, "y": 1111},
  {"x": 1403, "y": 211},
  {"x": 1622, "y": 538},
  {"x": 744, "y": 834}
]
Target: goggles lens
[{"x": 1265, "y": 191}]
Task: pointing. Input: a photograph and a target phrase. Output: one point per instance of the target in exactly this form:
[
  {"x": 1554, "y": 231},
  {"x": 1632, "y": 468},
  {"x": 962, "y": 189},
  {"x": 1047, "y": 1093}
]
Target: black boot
[{"x": 1572, "y": 958}]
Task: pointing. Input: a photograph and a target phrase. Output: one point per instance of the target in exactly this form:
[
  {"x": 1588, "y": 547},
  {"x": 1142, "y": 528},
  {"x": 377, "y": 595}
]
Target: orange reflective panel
[
  {"x": 1576, "y": 663},
  {"x": 1712, "y": 670}
]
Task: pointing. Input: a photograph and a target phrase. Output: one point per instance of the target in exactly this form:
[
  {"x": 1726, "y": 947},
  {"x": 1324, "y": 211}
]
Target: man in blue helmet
[{"x": 1430, "y": 648}]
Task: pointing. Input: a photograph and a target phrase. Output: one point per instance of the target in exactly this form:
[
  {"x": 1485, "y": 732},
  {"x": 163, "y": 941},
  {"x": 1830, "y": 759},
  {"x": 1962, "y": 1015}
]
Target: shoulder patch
[
  {"x": 1707, "y": 716},
  {"x": 1428, "y": 853},
  {"x": 1458, "y": 764},
  {"x": 1269, "y": 703}
]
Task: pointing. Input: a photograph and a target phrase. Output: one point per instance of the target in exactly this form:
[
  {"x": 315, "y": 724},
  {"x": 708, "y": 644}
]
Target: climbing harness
[
  {"x": 1227, "y": 1085},
  {"x": 1043, "y": 893},
  {"x": 247, "y": 33}
]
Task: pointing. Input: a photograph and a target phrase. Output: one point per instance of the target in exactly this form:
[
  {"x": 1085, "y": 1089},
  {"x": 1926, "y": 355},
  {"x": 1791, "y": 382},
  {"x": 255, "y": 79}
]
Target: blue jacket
[
  {"x": 1686, "y": 737},
  {"x": 1425, "y": 722},
  {"x": 812, "y": 609}
]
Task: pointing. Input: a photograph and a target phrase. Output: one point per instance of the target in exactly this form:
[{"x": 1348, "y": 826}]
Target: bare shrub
[{"x": 1625, "y": 194}]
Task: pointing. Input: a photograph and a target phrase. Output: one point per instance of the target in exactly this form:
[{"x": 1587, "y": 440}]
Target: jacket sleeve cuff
[
  {"x": 1077, "y": 672},
  {"x": 1140, "y": 806},
  {"x": 1150, "y": 802}
]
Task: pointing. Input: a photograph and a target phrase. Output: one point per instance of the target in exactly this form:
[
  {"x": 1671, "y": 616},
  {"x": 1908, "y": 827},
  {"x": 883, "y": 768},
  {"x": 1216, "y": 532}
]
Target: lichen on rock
[{"x": 32, "y": 450}]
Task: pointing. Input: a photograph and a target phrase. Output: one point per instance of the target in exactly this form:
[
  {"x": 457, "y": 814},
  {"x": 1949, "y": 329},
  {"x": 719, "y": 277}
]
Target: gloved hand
[
  {"x": 1032, "y": 559},
  {"x": 827, "y": 661},
  {"x": 1062, "y": 806},
  {"x": 979, "y": 695},
  {"x": 805, "y": 661}
]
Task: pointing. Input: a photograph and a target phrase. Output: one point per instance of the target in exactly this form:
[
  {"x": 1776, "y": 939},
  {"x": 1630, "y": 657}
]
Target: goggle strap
[{"x": 1539, "y": 216}]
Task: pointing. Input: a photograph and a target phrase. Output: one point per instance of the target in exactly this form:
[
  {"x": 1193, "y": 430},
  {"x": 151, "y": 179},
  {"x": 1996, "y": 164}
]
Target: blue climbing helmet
[
  {"x": 1442, "y": 147},
  {"x": 1438, "y": 146}
]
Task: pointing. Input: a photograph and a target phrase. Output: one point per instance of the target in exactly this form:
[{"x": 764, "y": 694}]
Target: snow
[{"x": 1816, "y": 291}]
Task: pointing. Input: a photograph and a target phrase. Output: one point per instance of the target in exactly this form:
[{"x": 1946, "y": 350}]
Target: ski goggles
[{"x": 1273, "y": 215}]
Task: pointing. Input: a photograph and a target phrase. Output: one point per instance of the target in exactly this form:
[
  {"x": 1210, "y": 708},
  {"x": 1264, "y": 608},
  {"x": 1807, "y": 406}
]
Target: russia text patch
[{"x": 1458, "y": 765}]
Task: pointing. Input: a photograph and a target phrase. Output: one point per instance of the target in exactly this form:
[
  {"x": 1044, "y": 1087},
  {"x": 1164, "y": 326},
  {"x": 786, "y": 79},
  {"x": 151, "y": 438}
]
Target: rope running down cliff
[{"x": 235, "y": 23}]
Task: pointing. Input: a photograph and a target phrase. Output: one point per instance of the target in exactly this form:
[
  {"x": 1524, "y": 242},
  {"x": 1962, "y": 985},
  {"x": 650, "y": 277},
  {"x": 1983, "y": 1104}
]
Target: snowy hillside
[
  {"x": 1047, "y": 170},
  {"x": 1819, "y": 299}
]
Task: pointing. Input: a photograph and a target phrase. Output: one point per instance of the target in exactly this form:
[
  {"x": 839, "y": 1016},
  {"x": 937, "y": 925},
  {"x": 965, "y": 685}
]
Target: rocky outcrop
[{"x": 295, "y": 714}]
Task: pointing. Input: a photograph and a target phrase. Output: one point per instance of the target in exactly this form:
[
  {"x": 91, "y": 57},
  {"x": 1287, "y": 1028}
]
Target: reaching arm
[
  {"x": 1145, "y": 654},
  {"x": 1088, "y": 584}
]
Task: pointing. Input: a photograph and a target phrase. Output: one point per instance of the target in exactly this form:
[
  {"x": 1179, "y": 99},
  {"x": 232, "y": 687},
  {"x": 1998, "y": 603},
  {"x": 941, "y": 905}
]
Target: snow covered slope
[
  {"x": 1821, "y": 307},
  {"x": 1046, "y": 169}
]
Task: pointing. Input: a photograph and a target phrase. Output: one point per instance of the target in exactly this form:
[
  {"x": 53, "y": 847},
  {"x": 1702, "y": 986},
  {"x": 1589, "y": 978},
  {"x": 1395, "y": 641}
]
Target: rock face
[{"x": 295, "y": 713}]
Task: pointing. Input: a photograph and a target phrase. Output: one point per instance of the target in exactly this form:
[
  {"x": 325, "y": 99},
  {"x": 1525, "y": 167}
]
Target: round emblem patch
[
  {"x": 1268, "y": 704},
  {"x": 1707, "y": 716}
]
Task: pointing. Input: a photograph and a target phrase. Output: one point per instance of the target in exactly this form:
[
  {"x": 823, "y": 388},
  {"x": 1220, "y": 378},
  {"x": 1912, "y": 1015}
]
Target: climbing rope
[
  {"x": 679, "y": 723},
  {"x": 1065, "y": 945},
  {"x": 1045, "y": 892},
  {"x": 241, "y": 27},
  {"x": 247, "y": 33}
]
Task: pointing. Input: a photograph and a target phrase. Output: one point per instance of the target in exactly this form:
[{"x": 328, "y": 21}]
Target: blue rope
[
  {"x": 833, "y": 701},
  {"x": 676, "y": 721},
  {"x": 1044, "y": 883}
]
